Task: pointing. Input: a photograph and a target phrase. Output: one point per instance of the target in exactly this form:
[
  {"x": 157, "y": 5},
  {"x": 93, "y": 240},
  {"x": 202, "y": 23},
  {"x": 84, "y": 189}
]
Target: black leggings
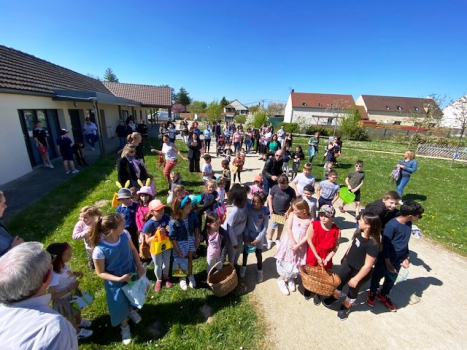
[
  {"x": 207, "y": 144},
  {"x": 235, "y": 176},
  {"x": 259, "y": 257},
  {"x": 346, "y": 273}
]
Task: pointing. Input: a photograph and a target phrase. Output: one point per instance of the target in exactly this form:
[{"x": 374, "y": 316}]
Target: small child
[
  {"x": 178, "y": 191},
  {"x": 395, "y": 253},
  {"x": 312, "y": 202},
  {"x": 327, "y": 168},
  {"x": 175, "y": 179},
  {"x": 216, "y": 240},
  {"x": 78, "y": 151},
  {"x": 226, "y": 175},
  {"x": 184, "y": 235},
  {"x": 221, "y": 190},
  {"x": 156, "y": 219},
  {"x": 323, "y": 238},
  {"x": 328, "y": 190},
  {"x": 134, "y": 194},
  {"x": 145, "y": 197},
  {"x": 257, "y": 186},
  {"x": 128, "y": 210},
  {"x": 116, "y": 260},
  {"x": 63, "y": 284},
  {"x": 303, "y": 179},
  {"x": 286, "y": 156},
  {"x": 354, "y": 182},
  {"x": 209, "y": 196},
  {"x": 291, "y": 252},
  {"x": 152, "y": 184},
  {"x": 238, "y": 162},
  {"x": 228, "y": 152},
  {"x": 243, "y": 153},
  {"x": 88, "y": 215},
  {"x": 65, "y": 150},
  {"x": 297, "y": 158},
  {"x": 255, "y": 230},
  {"x": 357, "y": 263},
  {"x": 207, "y": 171}
]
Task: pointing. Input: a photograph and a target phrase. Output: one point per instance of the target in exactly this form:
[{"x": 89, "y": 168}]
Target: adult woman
[
  {"x": 90, "y": 132},
  {"x": 129, "y": 168},
  {"x": 313, "y": 146},
  {"x": 237, "y": 140},
  {"x": 288, "y": 140},
  {"x": 184, "y": 128},
  {"x": 194, "y": 152},
  {"x": 274, "y": 145},
  {"x": 331, "y": 150},
  {"x": 136, "y": 140},
  {"x": 407, "y": 167},
  {"x": 7, "y": 241},
  {"x": 171, "y": 159},
  {"x": 207, "y": 137}
]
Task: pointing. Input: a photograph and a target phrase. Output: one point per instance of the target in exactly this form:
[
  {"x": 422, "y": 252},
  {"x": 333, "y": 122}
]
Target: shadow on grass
[{"x": 415, "y": 197}]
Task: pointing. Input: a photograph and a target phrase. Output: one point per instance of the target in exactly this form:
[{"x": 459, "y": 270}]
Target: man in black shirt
[{"x": 271, "y": 171}]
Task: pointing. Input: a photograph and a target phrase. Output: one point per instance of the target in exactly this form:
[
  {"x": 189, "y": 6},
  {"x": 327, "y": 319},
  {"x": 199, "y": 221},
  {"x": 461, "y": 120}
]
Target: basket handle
[{"x": 217, "y": 263}]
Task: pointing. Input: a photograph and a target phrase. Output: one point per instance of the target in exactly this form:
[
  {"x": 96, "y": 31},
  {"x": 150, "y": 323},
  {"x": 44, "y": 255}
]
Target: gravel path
[{"x": 431, "y": 313}]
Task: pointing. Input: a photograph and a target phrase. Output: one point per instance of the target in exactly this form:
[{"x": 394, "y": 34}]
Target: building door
[
  {"x": 49, "y": 120},
  {"x": 76, "y": 128}
]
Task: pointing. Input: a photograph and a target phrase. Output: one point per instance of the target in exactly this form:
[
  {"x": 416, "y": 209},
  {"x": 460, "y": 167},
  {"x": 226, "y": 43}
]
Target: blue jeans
[
  {"x": 401, "y": 183},
  {"x": 122, "y": 142},
  {"x": 266, "y": 186},
  {"x": 90, "y": 139}
]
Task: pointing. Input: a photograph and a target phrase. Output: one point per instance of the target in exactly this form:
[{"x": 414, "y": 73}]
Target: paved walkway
[{"x": 431, "y": 313}]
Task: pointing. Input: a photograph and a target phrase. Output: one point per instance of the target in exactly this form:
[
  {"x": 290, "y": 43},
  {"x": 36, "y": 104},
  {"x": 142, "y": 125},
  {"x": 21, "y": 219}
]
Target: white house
[
  {"x": 319, "y": 109},
  {"x": 234, "y": 108}
]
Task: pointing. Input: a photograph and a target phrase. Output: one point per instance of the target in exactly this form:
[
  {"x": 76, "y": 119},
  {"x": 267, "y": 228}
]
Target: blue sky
[{"x": 252, "y": 50}]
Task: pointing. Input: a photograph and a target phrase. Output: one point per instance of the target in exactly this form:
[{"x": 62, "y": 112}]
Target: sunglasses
[{"x": 358, "y": 166}]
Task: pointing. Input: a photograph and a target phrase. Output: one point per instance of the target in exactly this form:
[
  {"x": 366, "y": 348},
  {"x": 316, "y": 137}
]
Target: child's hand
[
  {"x": 125, "y": 277},
  {"x": 74, "y": 285},
  {"x": 141, "y": 271},
  {"x": 353, "y": 282},
  {"x": 390, "y": 267},
  {"x": 255, "y": 242},
  {"x": 295, "y": 247},
  {"x": 320, "y": 261},
  {"x": 406, "y": 263}
]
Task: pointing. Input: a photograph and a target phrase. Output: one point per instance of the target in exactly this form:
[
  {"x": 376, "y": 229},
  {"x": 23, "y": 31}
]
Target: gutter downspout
[{"x": 99, "y": 122}]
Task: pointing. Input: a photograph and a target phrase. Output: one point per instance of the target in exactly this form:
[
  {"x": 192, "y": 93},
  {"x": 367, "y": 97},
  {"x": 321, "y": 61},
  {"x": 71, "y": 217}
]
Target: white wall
[
  {"x": 315, "y": 116},
  {"x": 288, "y": 110}
]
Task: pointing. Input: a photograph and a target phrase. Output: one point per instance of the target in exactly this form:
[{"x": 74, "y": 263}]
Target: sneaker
[
  {"x": 371, "y": 299},
  {"x": 316, "y": 300},
  {"x": 158, "y": 286},
  {"x": 291, "y": 285},
  {"x": 168, "y": 284},
  {"x": 386, "y": 300},
  {"x": 242, "y": 271},
  {"x": 269, "y": 244},
  {"x": 85, "y": 323},
  {"x": 278, "y": 243},
  {"x": 126, "y": 335},
  {"x": 341, "y": 209},
  {"x": 329, "y": 300},
  {"x": 260, "y": 276},
  {"x": 183, "y": 285},
  {"x": 192, "y": 282},
  {"x": 84, "y": 333},
  {"x": 135, "y": 317},
  {"x": 283, "y": 287},
  {"x": 67, "y": 172},
  {"x": 50, "y": 166},
  {"x": 45, "y": 166},
  {"x": 400, "y": 202},
  {"x": 343, "y": 313},
  {"x": 76, "y": 171},
  {"x": 92, "y": 148}
]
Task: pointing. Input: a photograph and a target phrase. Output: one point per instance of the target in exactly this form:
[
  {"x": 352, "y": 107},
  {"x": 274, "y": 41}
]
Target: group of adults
[{"x": 129, "y": 126}]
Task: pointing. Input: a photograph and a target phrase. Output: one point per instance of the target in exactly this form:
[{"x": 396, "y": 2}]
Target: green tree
[
  {"x": 260, "y": 118},
  {"x": 240, "y": 119},
  {"x": 182, "y": 97},
  {"x": 214, "y": 111},
  {"x": 224, "y": 102},
  {"x": 109, "y": 75},
  {"x": 197, "y": 107},
  {"x": 349, "y": 125},
  {"x": 275, "y": 108}
]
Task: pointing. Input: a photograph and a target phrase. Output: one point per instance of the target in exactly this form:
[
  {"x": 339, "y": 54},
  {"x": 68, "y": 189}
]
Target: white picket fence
[{"x": 442, "y": 151}]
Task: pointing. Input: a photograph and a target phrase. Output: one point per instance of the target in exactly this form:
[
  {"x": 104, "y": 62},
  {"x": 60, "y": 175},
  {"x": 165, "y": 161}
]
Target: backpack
[{"x": 395, "y": 174}]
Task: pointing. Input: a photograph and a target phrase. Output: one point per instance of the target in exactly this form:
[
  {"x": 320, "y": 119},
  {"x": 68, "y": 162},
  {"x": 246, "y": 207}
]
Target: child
[
  {"x": 257, "y": 186},
  {"x": 323, "y": 238},
  {"x": 134, "y": 194},
  {"x": 78, "y": 151},
  {"x": 145, "y": 197},
  {"x": 156, "y": 219},
  {"x": 385, "y": 208},
  {"x": 312, "y": 202},
  {"x": 328, "y": 190},
  {"x": 88, "y": 215},
  {"x": 221, "y": 190},
  {"x": 327, "y": 168},
  {"x": 238, "y": 162},
  {"x": 236, "y": 220},
  {"x": 128, "y": 210},
  {"x": 279, "y": 200},
  {"x": 184, "y": 235},
  {"x": 63, "y": 284},
  {"x": 116, "y": 260},
  {"x": 226, "y": 174},
  {"x": 255, "y": 230},
  {"x": 357, "y": 263},
  {"x": 64, "y": 150},
  {"x": 209, "y": 196},
  {"x": 313, "y": 146},
  {"x": 216, "y": 240},
  {"x": 286, "y": 156},
  {"x": 152, "y": 184},
  {"x": 228, "y": 152},
  {"x": 297, "y": 157},
  {"x": 290, "y": 254},
  {"x": 303, "y": 179},
  {"x": 395, "y": 253},
  {"x": 178, "y": 191},
  {"x": 354, "y": 182},
  {"x": 175, "y": 179},
  {"x": 207, "y": 171}
]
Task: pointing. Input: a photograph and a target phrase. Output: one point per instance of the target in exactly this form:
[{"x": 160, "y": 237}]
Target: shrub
[
  {"x": 350, "y": 126},
  {"x": 440, "y": 141},
  {"x": 290, "y": 127},
  {"x": 240, "y": 119},
  {"x": 400, "y": 138},
  {"x": 418, "y": 138},
  {"x": 259, "y": 118},
  {"x": 454, "y": 142}
]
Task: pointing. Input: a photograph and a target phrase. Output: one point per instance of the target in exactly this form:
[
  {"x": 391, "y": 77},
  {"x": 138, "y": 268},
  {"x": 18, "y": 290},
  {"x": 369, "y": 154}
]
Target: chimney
[{"x": 293, "y": 90}]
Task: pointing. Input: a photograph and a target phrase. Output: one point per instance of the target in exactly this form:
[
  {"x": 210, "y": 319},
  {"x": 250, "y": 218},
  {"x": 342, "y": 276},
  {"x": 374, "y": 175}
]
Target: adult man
[
  {"x": 271, "y": 171},
  {"x": 26, "y": 320},
  {"x": 40, "y": 138},
  {"x": 90, "y": 132},
  {"x": 218, "y": 130},
  {"x": 143, "y": 130},
  {"x": 122, "y": 132},
  {"x": 265, "y": 139}
]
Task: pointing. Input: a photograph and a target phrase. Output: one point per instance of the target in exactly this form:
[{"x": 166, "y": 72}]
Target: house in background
[
  {"x": 33, "y": 89},
  {"x": 454, "y": 114},
  {"x": 319, "y": 109},
  {"x": 234, "y": 108},
  {"x": 397, "y": 110}
]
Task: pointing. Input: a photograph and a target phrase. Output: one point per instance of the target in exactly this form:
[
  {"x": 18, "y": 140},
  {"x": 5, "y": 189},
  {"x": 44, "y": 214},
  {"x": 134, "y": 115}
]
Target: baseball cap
[
  {"x": 123, "y": 193},
  {"x": 328, "y": 211},
  {"x": 258, "y": 178},
  {"x": 155, "y": 205},
  {"x": 64, "y": 131}
]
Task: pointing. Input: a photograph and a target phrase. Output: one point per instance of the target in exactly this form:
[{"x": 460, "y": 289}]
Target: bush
[
  {"x": 400, "y": 138},
  {"x": 454, "y": 142},
  {"x": 240, "y": 119},
  {"x": 418, "y": 138},
  {"x": 350, "y": 126},
  {"x": 290, "y": 127},
  {"x": 323, "y": 131},
  {"x": 259, "y": 119}
]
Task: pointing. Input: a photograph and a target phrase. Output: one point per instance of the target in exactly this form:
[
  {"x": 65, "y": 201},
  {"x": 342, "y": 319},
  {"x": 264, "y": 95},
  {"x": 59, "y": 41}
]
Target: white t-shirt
[
  {"x": 301, "y": 180},
  {"x": 63, "y": 279},
  {"x": 99, "y": 254},
  {"x": 207, "y": 169},
  {"x": 170, "y": 154}
]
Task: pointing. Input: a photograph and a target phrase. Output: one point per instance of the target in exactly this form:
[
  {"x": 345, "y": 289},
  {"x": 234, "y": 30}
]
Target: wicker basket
[
  {"x": 222, "y": 281},
  {"x": 318, "y": 280}
]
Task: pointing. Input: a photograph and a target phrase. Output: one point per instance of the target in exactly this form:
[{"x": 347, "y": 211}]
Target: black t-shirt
[
  {"x": 360, "y": 248},
  {"x": 41, "y": 136},
  {"x": 281, "y": 199}
]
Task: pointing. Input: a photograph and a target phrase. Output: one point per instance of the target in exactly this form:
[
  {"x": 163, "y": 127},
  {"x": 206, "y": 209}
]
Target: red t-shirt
[{"x": 324, "y": 242}]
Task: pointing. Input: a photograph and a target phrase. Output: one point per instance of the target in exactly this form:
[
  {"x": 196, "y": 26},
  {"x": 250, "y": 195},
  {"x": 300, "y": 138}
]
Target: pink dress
[{"x": 285, "y": 252}]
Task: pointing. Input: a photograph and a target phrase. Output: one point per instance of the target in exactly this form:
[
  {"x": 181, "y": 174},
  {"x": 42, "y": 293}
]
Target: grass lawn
[{"x": 172, "y": 319}]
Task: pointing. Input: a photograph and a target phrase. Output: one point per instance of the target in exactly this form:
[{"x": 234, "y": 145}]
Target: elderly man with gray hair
[{"x": 26, "y": 319}]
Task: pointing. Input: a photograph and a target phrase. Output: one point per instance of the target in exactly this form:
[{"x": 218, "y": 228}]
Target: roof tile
[{"x": 149, "y": 95}]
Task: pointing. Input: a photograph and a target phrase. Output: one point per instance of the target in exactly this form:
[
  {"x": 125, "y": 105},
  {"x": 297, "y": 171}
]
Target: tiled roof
[
  {"x": 21, "y": 71},
  {"x": 397, "y": 104},
  {"x": 312, "y": 100},
  {"x": 362, "y": 111},
  {"x": 146, "y": 94}
]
